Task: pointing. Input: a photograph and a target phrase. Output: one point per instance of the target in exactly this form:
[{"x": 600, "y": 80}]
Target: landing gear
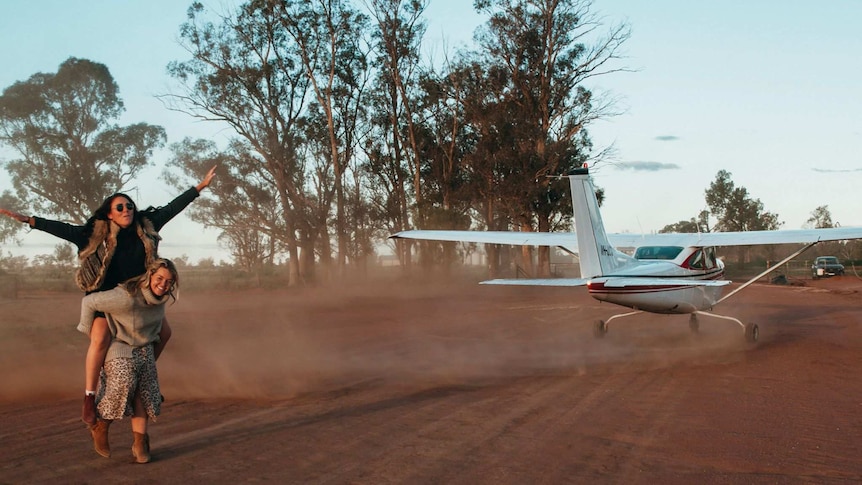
[
  {"x": 600, "y": 329},
  {"x": 752, "y": 332},
  {"x": 693, "y": 324},
  {"x": 601, "y": 326}
]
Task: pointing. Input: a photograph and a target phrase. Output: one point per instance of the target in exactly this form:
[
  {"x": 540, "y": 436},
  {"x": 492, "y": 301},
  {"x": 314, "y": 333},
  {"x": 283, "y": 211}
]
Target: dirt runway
[{"x": 458, "y": 384}]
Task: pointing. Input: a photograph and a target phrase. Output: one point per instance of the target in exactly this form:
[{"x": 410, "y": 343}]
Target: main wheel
[
  {"x": 752, "y": 332},
  {"x": 600, "y": 329},
  {"x": 693, "y": 324}
]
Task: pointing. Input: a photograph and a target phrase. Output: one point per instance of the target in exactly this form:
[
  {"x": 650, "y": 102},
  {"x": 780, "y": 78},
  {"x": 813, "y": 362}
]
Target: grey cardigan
[{"x": 133, "y": 320}]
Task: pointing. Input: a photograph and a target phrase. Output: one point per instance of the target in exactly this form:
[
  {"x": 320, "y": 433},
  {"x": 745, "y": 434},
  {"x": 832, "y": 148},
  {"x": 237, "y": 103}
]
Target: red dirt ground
[{"x": 454, "y": 384}]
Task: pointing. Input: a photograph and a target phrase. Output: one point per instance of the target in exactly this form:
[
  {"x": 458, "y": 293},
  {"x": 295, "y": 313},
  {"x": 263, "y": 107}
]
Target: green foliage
[
  {"x": 57, "y": 265},
  {"x": 394, "y": 148},
  {"x": 471, "y": 143},
  {"x": 689, "y": 226},
  {"x": 334, "y": 55},
  {"x": 735, "y": 209},
  {"x": 531, "y": 107},
  {"x": 13, "y": 264},
  {"x": 247, "y": 71},
  {"x": 701, "y": 224},
  {"x": 241, "y": 204},
  {"x": 821, "y": 218},
  {"x": 71, "y": 154}
]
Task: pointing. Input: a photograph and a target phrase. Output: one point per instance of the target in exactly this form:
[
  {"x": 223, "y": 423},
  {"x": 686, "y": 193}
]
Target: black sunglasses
[{"x": 127, "y": 205}]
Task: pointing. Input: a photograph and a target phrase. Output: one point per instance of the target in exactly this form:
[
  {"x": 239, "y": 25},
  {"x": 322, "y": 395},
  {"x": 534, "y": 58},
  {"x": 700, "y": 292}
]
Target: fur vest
[{"x": 96, "y": 257}]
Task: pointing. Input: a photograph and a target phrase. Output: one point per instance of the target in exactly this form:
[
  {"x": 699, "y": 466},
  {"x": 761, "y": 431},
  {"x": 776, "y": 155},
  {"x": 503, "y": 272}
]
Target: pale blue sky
[{"x": 768, "y": 90}]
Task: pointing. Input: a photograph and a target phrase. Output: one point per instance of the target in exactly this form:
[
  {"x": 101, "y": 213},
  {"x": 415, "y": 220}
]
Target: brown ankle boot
[
  {"x": 141, "y": 447},
  {"x": 88, "y": 413},
  {"x": 100, "y": 437}
]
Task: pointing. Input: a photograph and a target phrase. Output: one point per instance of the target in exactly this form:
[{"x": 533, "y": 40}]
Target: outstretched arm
[
  {"x": 73, "y": 234},
  {"x": 19, "y": 217},
  {"x": 162, "y": 215}
]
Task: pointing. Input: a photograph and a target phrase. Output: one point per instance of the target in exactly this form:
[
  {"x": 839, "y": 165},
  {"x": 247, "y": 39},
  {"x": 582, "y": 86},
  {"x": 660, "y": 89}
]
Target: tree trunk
[
  {"x": 527, "y": 252},
  {"x": 492, "y": 250},
  {"x": 543, "y": 266}
]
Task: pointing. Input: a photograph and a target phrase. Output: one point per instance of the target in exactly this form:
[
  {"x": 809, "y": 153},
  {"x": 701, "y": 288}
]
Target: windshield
[{"x": 657, "y": 252}]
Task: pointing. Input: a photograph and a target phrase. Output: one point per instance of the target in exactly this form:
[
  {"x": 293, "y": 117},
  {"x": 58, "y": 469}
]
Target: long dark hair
[
  {"x": 101, "y": 214},
  {"x": 133, "y": 285}
]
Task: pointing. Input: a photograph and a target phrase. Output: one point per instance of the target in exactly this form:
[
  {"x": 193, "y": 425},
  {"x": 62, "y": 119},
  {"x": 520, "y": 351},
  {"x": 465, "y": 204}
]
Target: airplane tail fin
[{"x": 597, "y": 256}]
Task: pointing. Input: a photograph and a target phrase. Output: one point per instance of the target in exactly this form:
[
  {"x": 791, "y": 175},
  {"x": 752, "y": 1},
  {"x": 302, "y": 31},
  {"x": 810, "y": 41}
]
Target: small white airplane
[{"x": 672, "y": 273}]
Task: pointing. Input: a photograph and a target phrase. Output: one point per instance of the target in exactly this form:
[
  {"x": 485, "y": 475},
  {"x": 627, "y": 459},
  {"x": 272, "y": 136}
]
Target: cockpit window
[
  {"x": 710, "y": 257},
  {"x": 658, "y": 252},
  {"x": 702, "y": 258},
  {"x": 696, "y": 260}
]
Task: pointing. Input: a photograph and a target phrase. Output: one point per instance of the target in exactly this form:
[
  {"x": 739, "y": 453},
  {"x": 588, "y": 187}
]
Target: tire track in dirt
[{"x": 527, "y": 411}]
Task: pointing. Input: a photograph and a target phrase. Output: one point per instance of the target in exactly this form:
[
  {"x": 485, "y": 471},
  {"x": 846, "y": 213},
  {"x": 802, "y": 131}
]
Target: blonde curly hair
[{"x": 135, "y": 284}]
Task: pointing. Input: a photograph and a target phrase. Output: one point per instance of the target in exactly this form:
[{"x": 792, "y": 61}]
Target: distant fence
[
  {"x": 9, "y": 285},
  {"x": 13, "y": 285},
  {"x": 799, "y": 269}
]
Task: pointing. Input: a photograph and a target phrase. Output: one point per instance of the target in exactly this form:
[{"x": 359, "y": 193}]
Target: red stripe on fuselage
[
  {"x": 600, "y": 288},
  {"x": 629, "y": 290}
]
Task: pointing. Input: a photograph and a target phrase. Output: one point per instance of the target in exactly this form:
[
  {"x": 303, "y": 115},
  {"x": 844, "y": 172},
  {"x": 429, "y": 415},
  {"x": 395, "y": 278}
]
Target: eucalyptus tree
[
  {"x": 537, "y": 56},
  {"x": 693, "y": 225},
  {"x": 331, "y": 37},
  {"x": 246, "y": 71},
  {"x": 444, "y": 140},
  {"x": 398, "y": 32},
  {"x": 71, "y": 154},
  {"x": 821, "y": 218},
  {"x": 487, "y": 138},
  {"x": 241, "y": 206},
  {"x": 736, "y": 210}
]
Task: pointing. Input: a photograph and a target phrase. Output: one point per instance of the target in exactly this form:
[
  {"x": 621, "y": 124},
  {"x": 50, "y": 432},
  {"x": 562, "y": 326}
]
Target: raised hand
[{"x": 207, "y": 179}]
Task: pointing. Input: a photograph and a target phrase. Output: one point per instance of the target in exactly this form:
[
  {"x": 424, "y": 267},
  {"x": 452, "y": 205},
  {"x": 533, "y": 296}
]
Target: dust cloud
[{"x": 285, "y": 343}]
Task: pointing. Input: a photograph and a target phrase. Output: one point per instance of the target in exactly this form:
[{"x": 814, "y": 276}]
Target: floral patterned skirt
[{"x": 123, "y": 378}]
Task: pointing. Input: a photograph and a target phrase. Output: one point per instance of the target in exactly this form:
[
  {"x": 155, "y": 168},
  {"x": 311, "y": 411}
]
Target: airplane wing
[
  {"x": 569, "y": 241},
  {"x": 744, "y": 238},
  {"x": 538, "y": 282},
  {"x": 563, "y": 239},
  {"x": 624, "y": 282}
]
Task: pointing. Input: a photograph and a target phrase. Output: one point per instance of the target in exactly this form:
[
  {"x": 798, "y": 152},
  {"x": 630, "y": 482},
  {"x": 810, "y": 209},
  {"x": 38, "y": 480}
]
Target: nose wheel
[
  {"x": 752, "y": 332},
  {"x": 600, "y": 328}
]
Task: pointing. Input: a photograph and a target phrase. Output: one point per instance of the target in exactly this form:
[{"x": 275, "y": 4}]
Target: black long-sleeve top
[{"x": 129, "y": 258}]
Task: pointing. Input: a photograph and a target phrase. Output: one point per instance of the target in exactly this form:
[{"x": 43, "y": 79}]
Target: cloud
[
  {"x": 646, "y": 166},
  {"x": 667, "y": 138},
  {"x": 829, "y": 170}
]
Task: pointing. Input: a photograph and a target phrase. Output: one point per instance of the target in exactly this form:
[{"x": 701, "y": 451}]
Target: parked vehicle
[{"x": 826, "y": 266}]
